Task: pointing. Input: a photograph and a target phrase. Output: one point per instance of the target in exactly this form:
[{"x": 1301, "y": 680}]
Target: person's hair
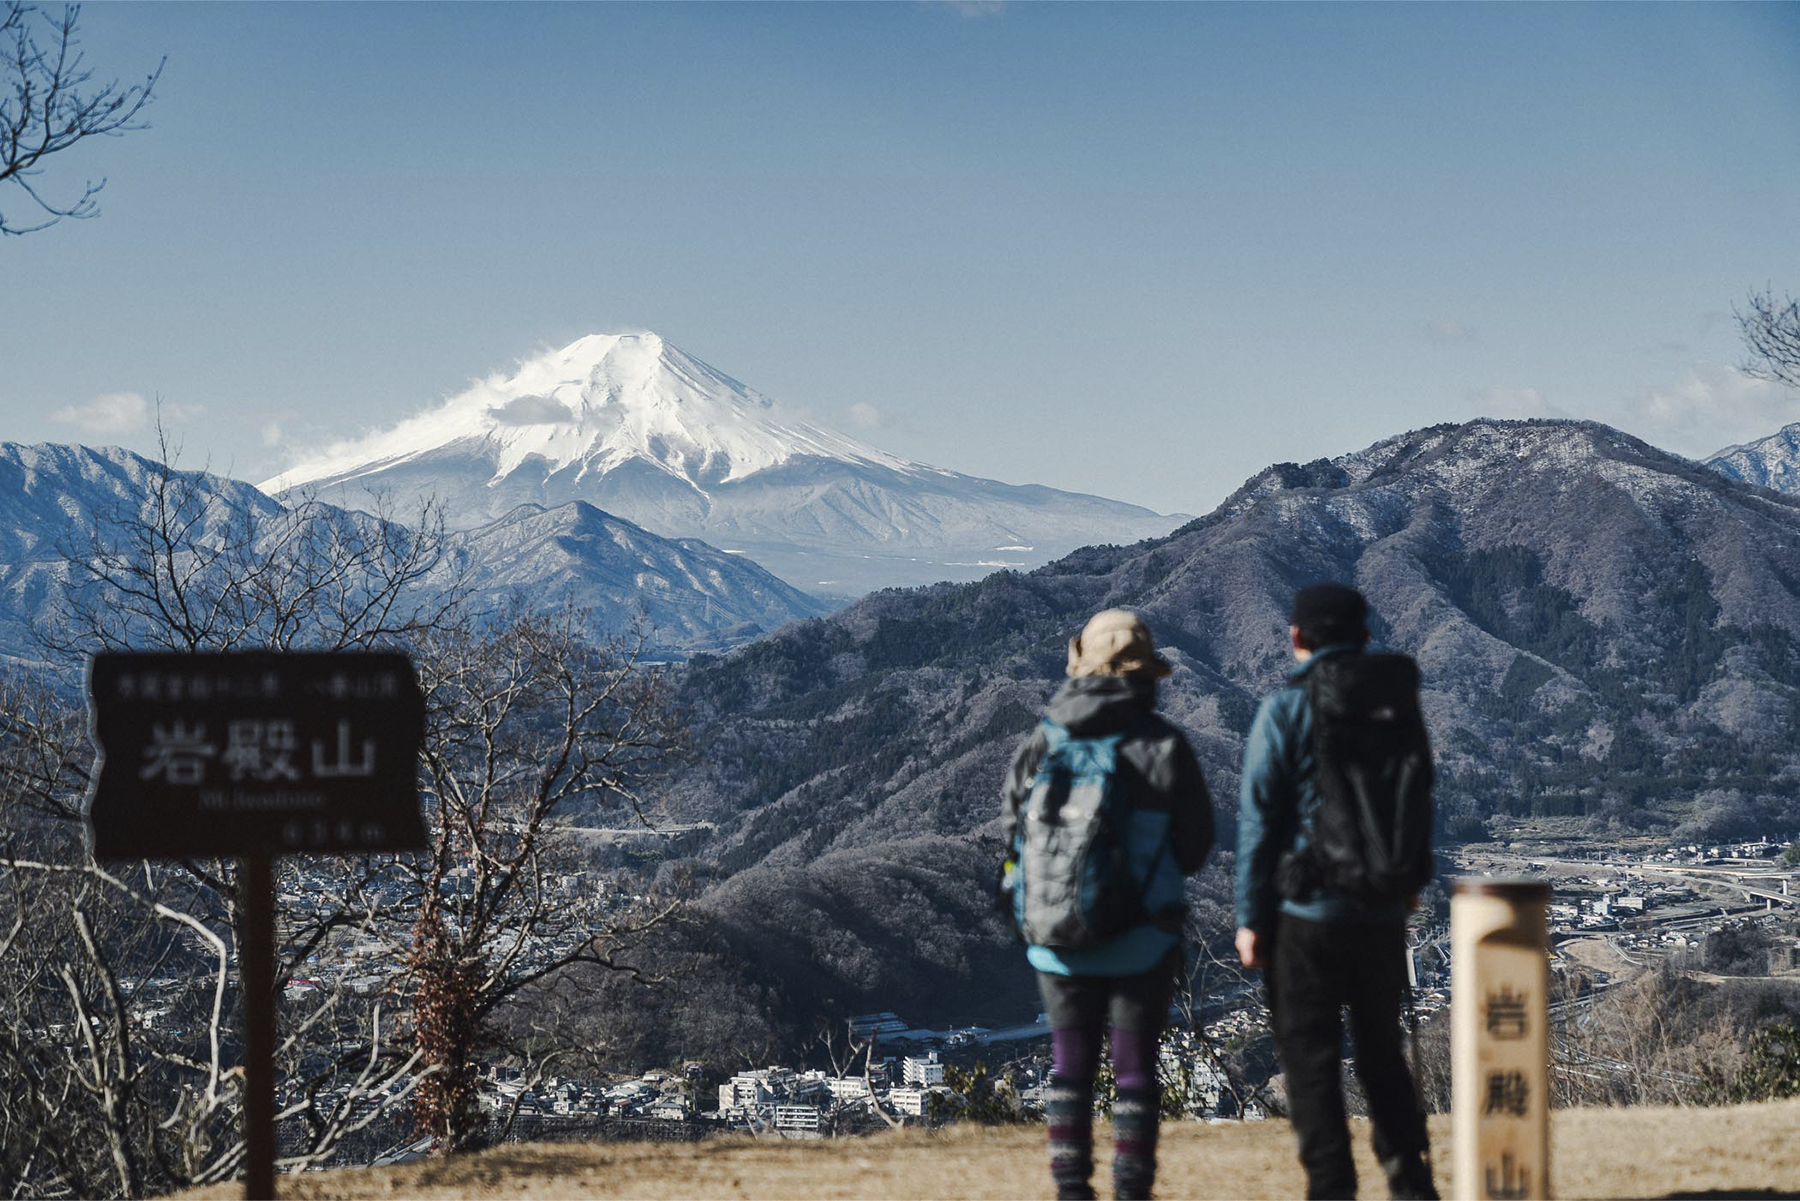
[{"x": 1327, "y": 614}]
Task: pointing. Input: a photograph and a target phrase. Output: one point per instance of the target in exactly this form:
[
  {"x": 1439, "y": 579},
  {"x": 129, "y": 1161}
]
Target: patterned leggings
[{"x": 1079, "y": 1008}]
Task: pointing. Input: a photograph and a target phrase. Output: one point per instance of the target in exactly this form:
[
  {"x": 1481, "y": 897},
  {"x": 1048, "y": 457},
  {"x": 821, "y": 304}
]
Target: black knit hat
[{"x": 1328, "y": 613}]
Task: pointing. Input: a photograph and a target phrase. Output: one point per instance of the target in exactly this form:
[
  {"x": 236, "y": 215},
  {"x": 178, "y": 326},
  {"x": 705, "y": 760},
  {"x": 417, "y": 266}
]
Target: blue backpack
[{"x": 1071, "y": 881}]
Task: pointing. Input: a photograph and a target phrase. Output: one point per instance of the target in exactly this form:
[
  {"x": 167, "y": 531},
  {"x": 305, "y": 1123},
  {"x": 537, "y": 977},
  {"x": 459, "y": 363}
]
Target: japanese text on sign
[
  {"x": 253, "y": 750},
  {"x": 1507, "y": 1092},
  {"x": 1506, "y": 1014}
]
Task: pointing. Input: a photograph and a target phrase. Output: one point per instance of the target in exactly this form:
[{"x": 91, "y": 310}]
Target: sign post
[
  {"x": 1500, "y": 1039},
  {"x": 252, "y": 755},
  {"x": 256, "y": 972}
]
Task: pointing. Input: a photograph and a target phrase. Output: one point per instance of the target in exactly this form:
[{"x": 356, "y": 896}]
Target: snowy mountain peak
[
  {"x": 1773, "y": 462},
  {"x": 595, "y": 405},
  {"x": 648, "y": 433}
]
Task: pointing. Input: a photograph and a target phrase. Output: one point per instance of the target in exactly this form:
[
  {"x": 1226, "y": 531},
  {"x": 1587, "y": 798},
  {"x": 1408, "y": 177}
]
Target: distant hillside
[
  {"x": 56, "y": 500},
  {"x": 1608, "y": 632},
  {"x": 694, "y": 595},
  {"x": 1773, "y": 462}
]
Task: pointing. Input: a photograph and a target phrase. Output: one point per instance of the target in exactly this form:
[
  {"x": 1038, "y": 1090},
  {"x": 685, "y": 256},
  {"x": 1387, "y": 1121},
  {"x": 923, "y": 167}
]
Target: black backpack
[{"x": 1370, "y": 838}]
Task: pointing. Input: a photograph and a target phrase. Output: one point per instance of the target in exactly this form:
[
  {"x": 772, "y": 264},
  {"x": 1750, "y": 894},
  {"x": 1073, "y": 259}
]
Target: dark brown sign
[{"x": 254, "y": 753}]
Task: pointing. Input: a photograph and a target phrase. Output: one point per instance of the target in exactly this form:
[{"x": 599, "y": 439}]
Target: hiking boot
[{"x": 1409, "y": 1177}]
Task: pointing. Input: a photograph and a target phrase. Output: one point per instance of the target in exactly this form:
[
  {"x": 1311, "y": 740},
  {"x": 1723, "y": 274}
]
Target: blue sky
[{"x": 1139, "y": 250}]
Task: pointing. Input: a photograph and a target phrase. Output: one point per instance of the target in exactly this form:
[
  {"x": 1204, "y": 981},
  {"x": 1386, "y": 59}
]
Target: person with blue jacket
[
  {"x": 1130, "y": 978},
  {"x": 1319, "y": 950}
]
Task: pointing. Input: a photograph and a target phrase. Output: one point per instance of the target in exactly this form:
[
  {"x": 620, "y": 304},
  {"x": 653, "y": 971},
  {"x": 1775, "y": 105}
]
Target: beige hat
[{"x": 1116, "y": 642}]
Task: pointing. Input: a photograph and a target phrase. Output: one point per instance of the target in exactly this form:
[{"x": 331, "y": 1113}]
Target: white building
[
  {"x": 747, "y": 1090},
  {"x": 796, "y": 1117},
  {"x": 907, "y": 1101},
  {"x": 845, "y": 1088},
  {"x": 923, "y": 1073},
  {"x": 670, "y": 1108},
  {"x": 769, "y": 1086}
]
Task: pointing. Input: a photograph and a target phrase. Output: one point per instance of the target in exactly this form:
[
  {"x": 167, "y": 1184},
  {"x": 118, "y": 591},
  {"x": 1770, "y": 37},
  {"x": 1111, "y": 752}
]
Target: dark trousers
[{"x": 1318, "y": 968}]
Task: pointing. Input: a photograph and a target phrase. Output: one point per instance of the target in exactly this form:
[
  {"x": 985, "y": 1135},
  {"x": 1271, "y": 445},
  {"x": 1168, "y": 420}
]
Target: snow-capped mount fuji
[
  {"x": 641, "y": 429},
  {"x": 598, "y": 404}
]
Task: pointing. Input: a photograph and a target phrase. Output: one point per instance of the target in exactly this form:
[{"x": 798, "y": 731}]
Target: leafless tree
[
  {"x": 118, "y": 987},
  {"x": 1209, "y": 974},
  {"x": 200, "y": 563},
  {"x": 50, "y": 102},
  {"x": 525, "y": 719},
  {"x": 1640, "y": 1042},
  {"x": 842, "y": 1049},
  {"x": 1771, "y": 329}
]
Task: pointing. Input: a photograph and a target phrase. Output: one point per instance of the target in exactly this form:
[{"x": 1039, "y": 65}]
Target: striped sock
[
  {"x": 1069, "y": 1115},
  {"x": 1134, "y": 1141}
]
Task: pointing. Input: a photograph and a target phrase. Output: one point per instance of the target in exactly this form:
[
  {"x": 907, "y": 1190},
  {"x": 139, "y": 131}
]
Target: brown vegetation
[{"x": 1743, "y": 1151}]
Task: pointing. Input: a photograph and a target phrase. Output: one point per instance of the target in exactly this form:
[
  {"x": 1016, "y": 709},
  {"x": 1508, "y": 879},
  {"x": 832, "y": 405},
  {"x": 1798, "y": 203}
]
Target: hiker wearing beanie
[
  {"x": 1322, "y": 902},
  {"x": 1105, "y": 811}
]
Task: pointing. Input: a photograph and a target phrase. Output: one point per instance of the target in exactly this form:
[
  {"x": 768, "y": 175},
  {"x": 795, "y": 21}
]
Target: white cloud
[
  {"x": 1504, "y": 400},
  {"x": 108, "y": 413},
  {"x": 121, "y": 413},
  {"x": 1711, "y": 406},
  {"x": 1446, "y": 332},
  {"x": 867, "y": 415},
  {"x": 271, "y": 433},
  {"x": 531, "y": 410}
]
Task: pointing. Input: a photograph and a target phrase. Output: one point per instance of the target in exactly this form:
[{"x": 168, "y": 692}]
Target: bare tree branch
[
  {"x": 49, "y": 102},
  {"x": 1771, "y": 329}
]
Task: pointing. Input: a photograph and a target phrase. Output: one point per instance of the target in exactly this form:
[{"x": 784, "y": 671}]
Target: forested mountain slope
[{"x": 1606, "y": 631}]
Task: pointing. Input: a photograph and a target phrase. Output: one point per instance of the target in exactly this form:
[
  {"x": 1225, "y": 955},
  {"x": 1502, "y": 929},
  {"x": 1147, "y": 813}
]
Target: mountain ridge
[
  {"x": 1608, "y": 634},
  {"x": 694, "y": 595},
  {"x": 55, "y": 499},
  {"x": 1772, "y": 461}
]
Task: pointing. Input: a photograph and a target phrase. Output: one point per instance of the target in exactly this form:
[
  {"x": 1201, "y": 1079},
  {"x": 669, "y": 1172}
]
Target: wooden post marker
[
  {"x": 256, "y": 971},
  {"x": 1500, "y": 1039},
  {"x": 252, "y": 755}
]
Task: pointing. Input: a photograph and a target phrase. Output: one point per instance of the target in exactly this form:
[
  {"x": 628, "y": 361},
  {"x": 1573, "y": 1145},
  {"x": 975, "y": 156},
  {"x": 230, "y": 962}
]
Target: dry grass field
[{"x": 1747, "y": 1151}]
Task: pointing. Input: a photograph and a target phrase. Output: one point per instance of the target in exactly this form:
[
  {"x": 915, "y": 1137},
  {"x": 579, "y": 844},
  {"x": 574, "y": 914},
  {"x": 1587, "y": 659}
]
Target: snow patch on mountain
[
  {"x": 1773, "y": 462},
  {"x": 58, "y": 503}
]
